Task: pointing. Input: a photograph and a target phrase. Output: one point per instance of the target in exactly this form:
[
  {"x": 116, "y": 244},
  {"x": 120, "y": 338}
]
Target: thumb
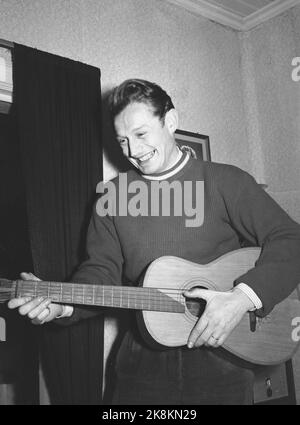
[
  {"x": 205, "y": 294},
  {"x": 29, "y": 276}
]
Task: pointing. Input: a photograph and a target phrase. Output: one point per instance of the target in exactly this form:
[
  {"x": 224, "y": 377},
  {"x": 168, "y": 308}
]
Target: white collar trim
[{"x": 171, "y": 173}]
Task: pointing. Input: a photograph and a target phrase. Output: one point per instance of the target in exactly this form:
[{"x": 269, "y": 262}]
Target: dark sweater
[{"x": 120, "y": 248}]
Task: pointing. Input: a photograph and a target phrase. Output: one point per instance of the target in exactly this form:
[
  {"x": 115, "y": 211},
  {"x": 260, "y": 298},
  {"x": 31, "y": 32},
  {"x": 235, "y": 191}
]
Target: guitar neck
[{"x": 136, "y": 298}]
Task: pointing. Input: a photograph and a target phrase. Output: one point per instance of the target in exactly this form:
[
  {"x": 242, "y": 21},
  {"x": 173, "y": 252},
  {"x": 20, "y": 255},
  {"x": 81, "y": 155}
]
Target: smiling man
[
  {"x": 121, "y": 247},
  {"x": 147, "y": 143}
]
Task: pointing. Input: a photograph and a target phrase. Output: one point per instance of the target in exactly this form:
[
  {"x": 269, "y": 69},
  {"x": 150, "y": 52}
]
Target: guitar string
[
  {"x": 160, "y": 296},
  {"x": 99, "y": 291},
  {"x": 100, "y": 298},
  {"x": 80, "y": 286},
  {"x": 104, "y": 288}
]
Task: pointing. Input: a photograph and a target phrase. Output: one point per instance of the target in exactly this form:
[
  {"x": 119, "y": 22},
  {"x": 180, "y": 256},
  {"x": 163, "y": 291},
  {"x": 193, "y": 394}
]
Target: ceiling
[{"x": 241, "y": 15}]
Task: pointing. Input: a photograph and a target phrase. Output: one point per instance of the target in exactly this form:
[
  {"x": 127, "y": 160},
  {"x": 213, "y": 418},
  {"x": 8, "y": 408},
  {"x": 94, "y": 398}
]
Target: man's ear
[{"x": 171, "y": 120}]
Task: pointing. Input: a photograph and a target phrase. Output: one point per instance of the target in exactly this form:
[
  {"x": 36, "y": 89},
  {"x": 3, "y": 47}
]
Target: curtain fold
[{"x": 58, "y": 111}]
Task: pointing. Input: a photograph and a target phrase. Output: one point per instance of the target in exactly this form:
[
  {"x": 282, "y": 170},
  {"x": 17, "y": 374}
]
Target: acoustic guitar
[{"x": 167, "y": 317}]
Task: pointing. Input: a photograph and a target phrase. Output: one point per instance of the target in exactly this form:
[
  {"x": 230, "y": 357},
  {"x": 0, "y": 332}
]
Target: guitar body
[{"x": 270, "y": 344}]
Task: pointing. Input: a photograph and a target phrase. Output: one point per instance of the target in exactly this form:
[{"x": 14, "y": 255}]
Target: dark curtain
[
  {"x": 19, "y": 352},
  {"x": 58, "y": 111}
]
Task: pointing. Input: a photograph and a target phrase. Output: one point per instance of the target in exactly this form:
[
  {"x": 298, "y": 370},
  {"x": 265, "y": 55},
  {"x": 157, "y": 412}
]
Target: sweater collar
[{"x": 183, "y": 157}]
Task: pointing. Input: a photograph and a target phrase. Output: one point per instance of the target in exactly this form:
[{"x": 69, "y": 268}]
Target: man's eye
[
  {"x": 141, "y": 134},
  {"x": 122, "y": 141}
]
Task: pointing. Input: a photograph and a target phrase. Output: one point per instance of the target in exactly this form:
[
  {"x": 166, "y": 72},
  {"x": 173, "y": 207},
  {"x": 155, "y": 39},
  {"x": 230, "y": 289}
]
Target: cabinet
[{"x": 274, "y": 384}]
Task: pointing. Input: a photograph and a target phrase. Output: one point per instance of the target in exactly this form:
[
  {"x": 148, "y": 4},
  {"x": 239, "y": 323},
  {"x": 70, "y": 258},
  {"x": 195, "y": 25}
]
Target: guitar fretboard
[{"x": 137, "y": 298}]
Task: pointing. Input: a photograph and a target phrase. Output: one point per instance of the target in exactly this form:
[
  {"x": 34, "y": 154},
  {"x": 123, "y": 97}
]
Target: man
[{"x": 121, "y": 245}]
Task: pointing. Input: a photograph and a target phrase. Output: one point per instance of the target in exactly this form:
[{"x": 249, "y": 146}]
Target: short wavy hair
[{"x": 140, "y": 91}]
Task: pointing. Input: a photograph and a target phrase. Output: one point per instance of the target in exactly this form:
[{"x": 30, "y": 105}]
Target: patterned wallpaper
[{"x": 272, "y": 102}]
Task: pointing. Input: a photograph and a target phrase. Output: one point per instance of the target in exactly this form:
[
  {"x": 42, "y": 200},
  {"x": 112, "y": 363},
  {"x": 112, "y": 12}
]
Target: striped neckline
[{"x": 178, "y": 166}]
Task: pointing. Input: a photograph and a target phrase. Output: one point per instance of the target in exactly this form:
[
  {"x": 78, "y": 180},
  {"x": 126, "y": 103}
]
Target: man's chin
[{"x": 146, "y": 168}]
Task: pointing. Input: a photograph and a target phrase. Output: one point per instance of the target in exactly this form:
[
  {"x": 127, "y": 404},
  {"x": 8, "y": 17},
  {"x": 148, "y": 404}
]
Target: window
[{"x": 6, "y": 84}]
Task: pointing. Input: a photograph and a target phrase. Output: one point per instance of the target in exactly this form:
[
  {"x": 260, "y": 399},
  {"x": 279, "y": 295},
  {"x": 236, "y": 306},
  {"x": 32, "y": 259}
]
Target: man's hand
[
  {"x": 40, "y": 310},
  {"x": 223, "y": 312}
]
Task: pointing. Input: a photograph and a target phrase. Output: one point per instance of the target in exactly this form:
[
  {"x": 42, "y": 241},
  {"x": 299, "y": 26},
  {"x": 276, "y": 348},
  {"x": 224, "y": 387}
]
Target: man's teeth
[{"x": 147, "y": 156}]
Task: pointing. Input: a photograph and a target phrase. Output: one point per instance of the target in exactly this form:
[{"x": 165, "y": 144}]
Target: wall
[
  {"x": 235, "y": 88},
  {"x": 195, "y": 60},
  {"x": 272, "y": 103}
]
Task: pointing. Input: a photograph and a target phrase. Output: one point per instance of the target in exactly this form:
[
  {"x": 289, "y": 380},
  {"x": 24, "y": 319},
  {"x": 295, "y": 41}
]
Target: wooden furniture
[{"x": 274, "y": 385}]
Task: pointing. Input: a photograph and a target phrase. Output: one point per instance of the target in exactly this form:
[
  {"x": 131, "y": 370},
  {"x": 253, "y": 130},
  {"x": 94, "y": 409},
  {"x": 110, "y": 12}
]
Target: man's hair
[{"x": 141, "y": 91}]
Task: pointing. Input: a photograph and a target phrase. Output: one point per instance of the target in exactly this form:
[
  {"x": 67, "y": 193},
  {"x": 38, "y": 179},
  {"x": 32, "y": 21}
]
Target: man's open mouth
[{"x": 147, "y": 156}]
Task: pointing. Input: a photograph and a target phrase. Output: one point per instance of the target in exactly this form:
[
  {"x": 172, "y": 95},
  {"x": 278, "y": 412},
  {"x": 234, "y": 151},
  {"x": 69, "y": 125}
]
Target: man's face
[{"x": 146, "y": 141}]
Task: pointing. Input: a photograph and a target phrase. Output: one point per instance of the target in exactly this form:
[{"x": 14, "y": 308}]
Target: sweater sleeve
[
  {"x": 103, "y": 265},
  {"x": 259, "y": 219}
]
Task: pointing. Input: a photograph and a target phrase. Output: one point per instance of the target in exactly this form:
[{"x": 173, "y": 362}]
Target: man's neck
[{"x": 177, "y": 165}]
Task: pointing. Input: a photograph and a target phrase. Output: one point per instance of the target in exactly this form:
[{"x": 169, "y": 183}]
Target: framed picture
[{"x": 196, "y": 143}]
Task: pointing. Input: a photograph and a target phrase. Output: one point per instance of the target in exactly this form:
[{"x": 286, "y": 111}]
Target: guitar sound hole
[{"x": 196, "y": 306}]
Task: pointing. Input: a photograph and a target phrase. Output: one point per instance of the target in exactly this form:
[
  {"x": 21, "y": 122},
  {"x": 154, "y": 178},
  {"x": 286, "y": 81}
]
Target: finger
[
  {"x": 221, "y": 340},
  {"x": 210, "y": 338},
  {"x": 205, "y": 294},
  {"x": 197, "y": 331},
  {"x": 217, "y": 339},
  {"x": 43, "y": 306},
  {"x": 212, "y": 342},
  {"x": 41, "y": 318},
  {"x": 29, "y": 276},
  {"x": 205, "y": 337},
  {"x": 17, "y": 302},
  {"x": 26, "y": 308}
]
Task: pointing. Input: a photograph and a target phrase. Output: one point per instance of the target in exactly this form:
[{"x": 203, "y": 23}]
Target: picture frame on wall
[{"x": 198, "y": 144}]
